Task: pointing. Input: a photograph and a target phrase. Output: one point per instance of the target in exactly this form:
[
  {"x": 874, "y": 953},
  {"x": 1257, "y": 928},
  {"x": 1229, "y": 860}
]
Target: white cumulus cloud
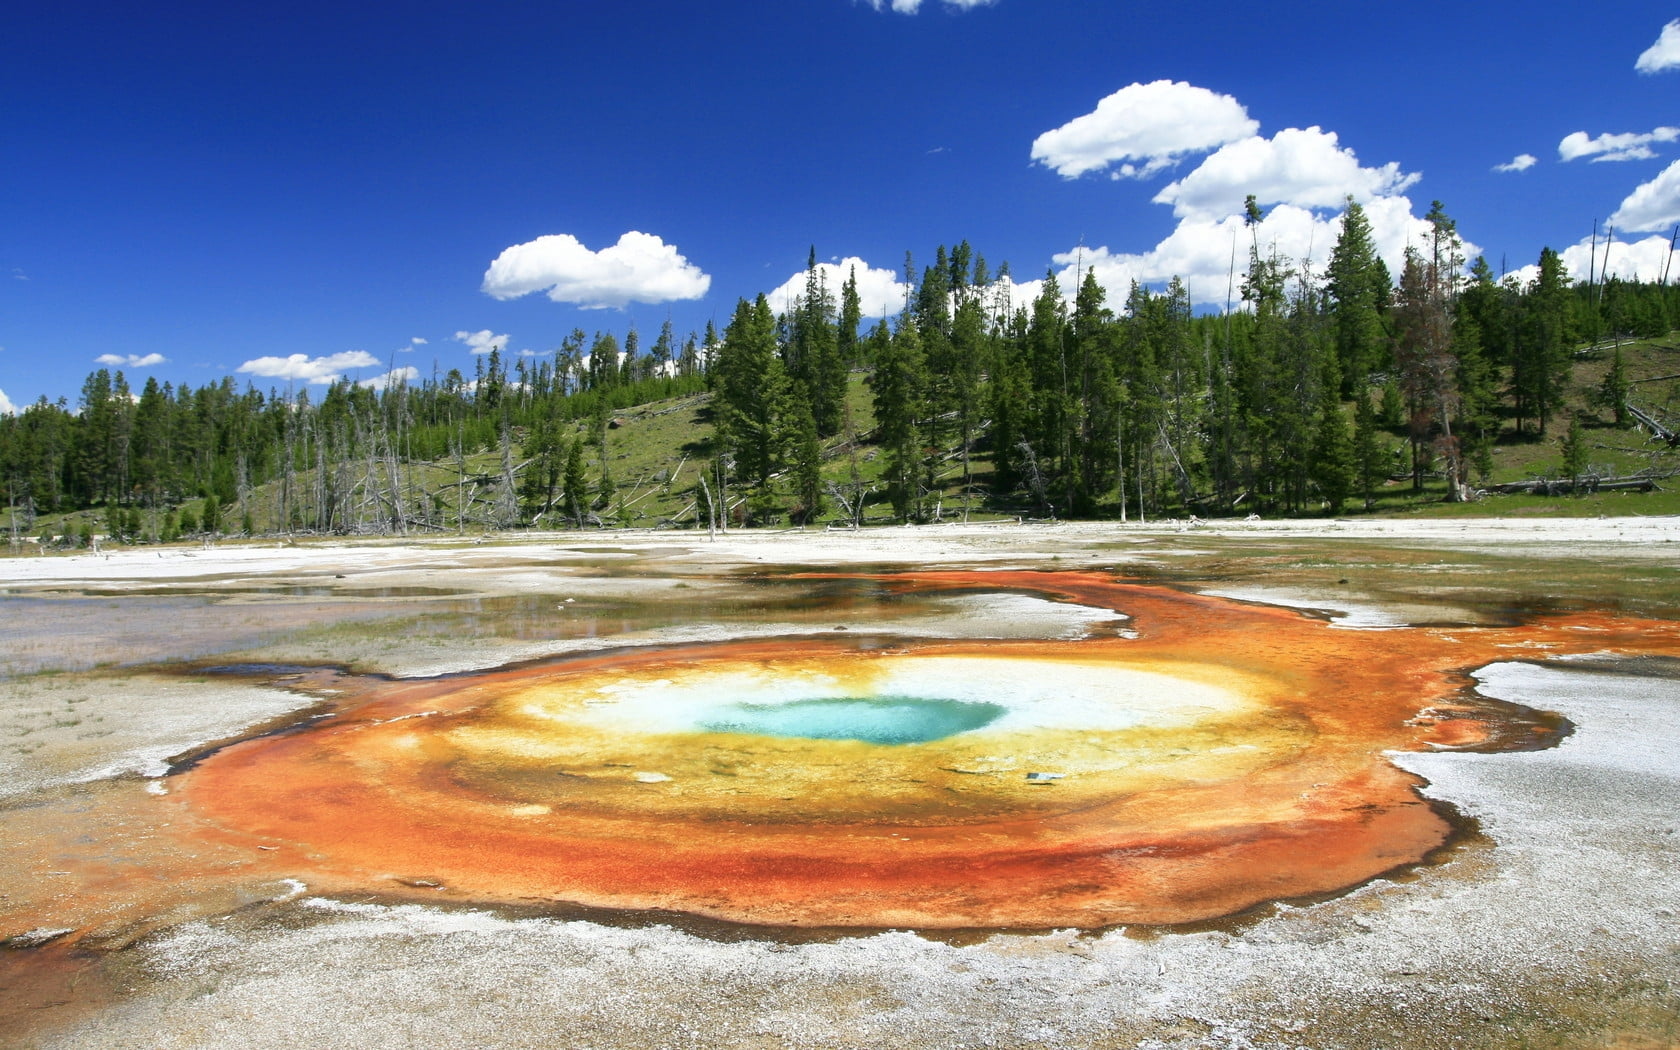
[
  {"x": 131, "y": 360},
  {"x": 1664, "y": 54},
  {"x": 1304, "y": 167},
  {"x": 6, "y": 406},
  {"x": 1144, "y": 128},
  {"x": 1627, "y": 146},
  {"x": 1210, "y": 253},
  {"x": 640, "y": 268},
  {"x": 482, "y": 341},
  {"x": 1521, "y": 162},
  {"x": 1302, "y": 177},
  {"x": 1632, "y": 260},
  {"x": 1652, "y": 205},
  {"x": 318, "y": 370},
  {"x": 406, "y": 374},
  {"x": 880, "y": 292}
]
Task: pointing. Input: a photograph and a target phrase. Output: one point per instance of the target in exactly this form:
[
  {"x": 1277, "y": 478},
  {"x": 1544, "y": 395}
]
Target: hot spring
[{"x": 1218, "y": 755}]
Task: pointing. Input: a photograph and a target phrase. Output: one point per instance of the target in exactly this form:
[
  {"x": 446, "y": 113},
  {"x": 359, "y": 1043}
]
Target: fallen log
[
  {"x": 1655, "y": 426},
  {"x": 1569, "y": 486}
]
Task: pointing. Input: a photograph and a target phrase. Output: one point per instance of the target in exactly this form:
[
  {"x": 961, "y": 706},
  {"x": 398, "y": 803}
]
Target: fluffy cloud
[
  {"x": 1642, "y": 260},
  {"x": 482, "y": 341},
  {"x": 1629, "y": 146},
  {"x": 406, "y": 374},
  {"x": 1303, "y": 167},
  {"x": 880, "y": 292},
  {"x": 640, "y": 268},
  {"x": 1201, "y": 250},
  {"x": 131, "y": 360},
  {"x": 910, "y": 7},
  {"x": 318, "y": 370},
  {"x": 1521, "y": 162},
  {"x": 1303, "y": 175},
  {"x": 1664, "y": 54},
  {"x": 1653, "y": 205},
  {"x": 1144, "y": 128},
  {"x": 6, "y": 406}
]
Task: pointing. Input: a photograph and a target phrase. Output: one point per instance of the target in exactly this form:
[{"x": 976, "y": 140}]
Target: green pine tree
[
  {"x": 806, "y": 467},
  {"x": 1575, "y": 453},
  {"x": 899, "y": 382},
  {"x": 1613, "y": 391},
  {"x": 1540, "y": 371},
  {"x": 575, "y": 484},
  {"x": 607, "y": 489},
  {"x": 1370, "y": 459},
  {"x": 1359, "y": 288},
  {"x": 1334, "y": 467}
]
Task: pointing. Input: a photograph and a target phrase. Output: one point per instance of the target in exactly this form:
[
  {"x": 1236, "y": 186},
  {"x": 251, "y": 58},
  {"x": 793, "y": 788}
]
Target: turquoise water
[{"x": 874, "y": 720}]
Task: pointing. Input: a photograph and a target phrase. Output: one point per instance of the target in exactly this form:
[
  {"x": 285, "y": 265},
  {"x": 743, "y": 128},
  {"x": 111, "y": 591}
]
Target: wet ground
[{"x": 147, "y": 901}]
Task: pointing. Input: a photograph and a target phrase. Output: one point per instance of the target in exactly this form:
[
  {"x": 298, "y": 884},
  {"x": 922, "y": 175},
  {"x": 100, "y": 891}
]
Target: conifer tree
[
  {"x": 813, "y": 355},
  {"x": 606, "y": 489},
  {"x": 1261, "y": 372},
  {"x": 932, "y": 309},
  {"x": 749, "y": 379},
  {"x": 847, "y": 347},
  {"x": 540, "y": 484},
  {"x": 1359, "y": 289},
  {"x": 1613, "y": 391},
  {"x": 1540, "y": 371},
  {"x": 1370, "y": 462},
  {"x": 1334, "y": 468},
  {"x": 1010, "y": 405},
  {"x": 709, "y": 347},
  {"x": 576, "y": 482},
  {"x": 603, "y": 362},
  {"x": 968, "y": 342},
  {"x": 1099, "y": 394},
  {"x": 1424, "y": 353},
  {"x": 1048, "y": 427},
  {"x": 806, "y": 466},
  {"x": 663, "y": 353},
  {"x": 688, "y": 363},
  {"x": 1479, "y": 340},
  {"x": 631, "y": 366},
  {"x": 1575, "y": 453},
  {"x": 899, "y": 383}
]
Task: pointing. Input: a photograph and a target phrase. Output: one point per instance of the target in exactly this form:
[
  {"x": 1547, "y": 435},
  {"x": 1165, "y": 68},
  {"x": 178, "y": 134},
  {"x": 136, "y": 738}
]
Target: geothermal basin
[
  {"x": 1067, "y": 782},
  {"x": 1215, "y": 755}
]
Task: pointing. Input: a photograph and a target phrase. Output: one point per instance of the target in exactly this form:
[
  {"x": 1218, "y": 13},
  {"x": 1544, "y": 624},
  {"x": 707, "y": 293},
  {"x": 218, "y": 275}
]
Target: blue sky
[{"x": 289, "y": 192}]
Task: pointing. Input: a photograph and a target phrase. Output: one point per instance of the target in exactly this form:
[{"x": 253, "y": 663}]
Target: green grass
[{"x": 655, "y": 453}]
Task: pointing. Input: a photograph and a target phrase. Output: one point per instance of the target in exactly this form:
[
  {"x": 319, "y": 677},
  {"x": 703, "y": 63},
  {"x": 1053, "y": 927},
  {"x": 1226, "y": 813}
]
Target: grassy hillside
[
  {"x": 655, "y": 453},
  {"x": 1652, "y": 368}
]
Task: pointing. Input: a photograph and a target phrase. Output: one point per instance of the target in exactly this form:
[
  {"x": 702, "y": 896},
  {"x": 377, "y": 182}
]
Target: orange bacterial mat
[{"x": 1212, "y": 755}]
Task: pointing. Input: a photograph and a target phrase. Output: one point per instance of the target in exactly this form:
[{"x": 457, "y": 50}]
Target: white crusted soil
[
  {"x": 1573, "y": 900},
  {"x": 1556, "y": 928},
  {"x": 59, "y": 729}
]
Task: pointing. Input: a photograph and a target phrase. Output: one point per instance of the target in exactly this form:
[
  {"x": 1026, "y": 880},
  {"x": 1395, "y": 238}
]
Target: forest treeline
[{"x": 1315, "y": 388}]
